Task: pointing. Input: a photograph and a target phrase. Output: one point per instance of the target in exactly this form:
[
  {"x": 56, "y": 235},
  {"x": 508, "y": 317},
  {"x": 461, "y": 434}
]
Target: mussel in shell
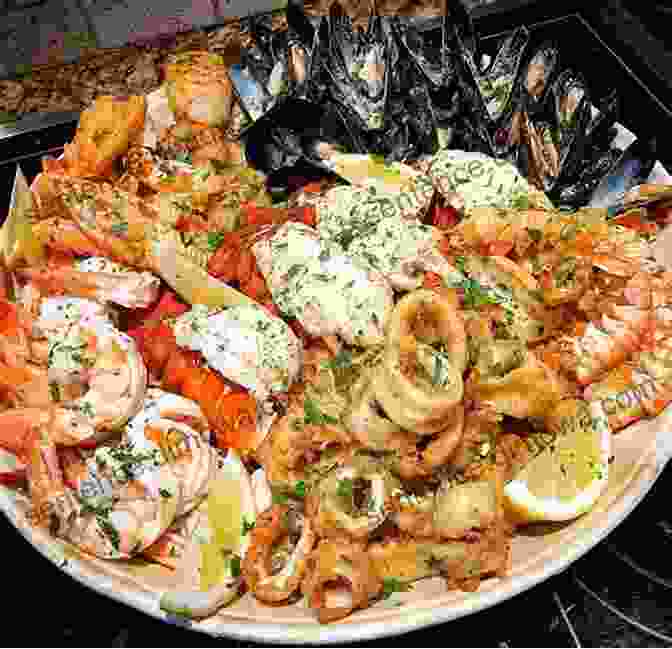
[
  {"x": 355, "y": 62},
  {"x": 496, "y": 82}
]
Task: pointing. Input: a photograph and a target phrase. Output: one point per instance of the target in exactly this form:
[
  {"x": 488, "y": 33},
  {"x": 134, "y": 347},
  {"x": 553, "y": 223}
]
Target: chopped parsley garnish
[
  {"x": 520, "y": 202},
  {"x": 247, "y": 525},
  {"x": 393, "y": 585},
  {"x": 293, "y": 271},
  {"x": 86, "y": 408},
  {"x": 313, "y": 415},
  {"x": 7, "y": 117},
  {"x": 300, "y": 489},
  {"x": 476, "y": 295},
  {"x": 214, "y": 240},
  {"x": 165, "y": 493},
  {"x": 235, "y": 565},
  {"x": 280, "y": 498},
  {"x": 341, "y": 361},
  {"x": 535, "y": 234},
  {"x": 120, "y": 227},
  {"x": 345, "y": 488},
  {"x": 109, "y": 530},
  {"x": 54, "y": 391},
  {"x": 566, "y": 273}
]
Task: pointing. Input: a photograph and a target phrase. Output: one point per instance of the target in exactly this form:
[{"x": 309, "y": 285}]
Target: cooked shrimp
[
  {"x": 275, "y": 563},
  {"x": 125, "y": 497},
  {"x": 95, "y": 278},
  {"x": 85, "y": 349}
]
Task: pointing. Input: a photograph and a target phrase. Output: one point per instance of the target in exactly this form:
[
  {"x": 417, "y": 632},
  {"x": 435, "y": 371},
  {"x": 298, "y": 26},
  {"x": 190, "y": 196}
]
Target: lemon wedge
[
  {"x": 17, "y": 238},
  {"x": 230, "y": 511},
  {"x": 190, "y": 281},
  {"x": 568, "y": 476}
]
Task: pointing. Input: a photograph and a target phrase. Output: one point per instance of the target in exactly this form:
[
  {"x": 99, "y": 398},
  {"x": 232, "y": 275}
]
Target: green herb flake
[
  {"x": 7, "y": 118},
  {"x": 247, "y": 525},
  {"x": 280, "y": 498},
  {"x": 164, "y": 493},
  {"x": 215, "y": 240},
  {"x": 341, "y": 361},
  {"x": 393, "y": 585},
  {"x": 235, "y": 565},
  {"x": 313, "y": 415},
  {"x": 183, "y": 156},
  {"x": 345, "y": 488},
  {"x": 109, "y": 530},
  {"x": 300, "y": 489},
  {"x": 535, "y": 234},
  {"x": 460, "y": 264}
]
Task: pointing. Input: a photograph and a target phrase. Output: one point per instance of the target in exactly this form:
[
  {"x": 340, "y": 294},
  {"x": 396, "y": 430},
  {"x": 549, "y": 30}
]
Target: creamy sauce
[
  {"x": 245, "y": 344},
  {"x": 312, "y": 280}
]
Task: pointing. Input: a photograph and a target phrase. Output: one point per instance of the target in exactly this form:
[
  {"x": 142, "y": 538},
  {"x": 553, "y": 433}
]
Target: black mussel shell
[
  {"x": 410, "y": 129},
  {"x": 261, "y": 78},
  {"x": 602, "y": 129},
  {"x": 578, "y": 193},
  {"x": 569, "y": 141},
  {"x": 496, "y": 83},
  {"x": 355, "y": 62},
  {"x": 425, "y": 41}
]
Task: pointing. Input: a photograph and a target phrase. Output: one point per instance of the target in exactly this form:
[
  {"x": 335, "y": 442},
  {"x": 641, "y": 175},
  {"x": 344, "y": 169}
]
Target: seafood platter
[{"x": 396, "y": 353}]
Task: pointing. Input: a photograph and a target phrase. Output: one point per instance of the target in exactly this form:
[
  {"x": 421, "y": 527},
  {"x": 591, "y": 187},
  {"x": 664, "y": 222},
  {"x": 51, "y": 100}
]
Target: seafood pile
[{"x": 328, "y": 397}]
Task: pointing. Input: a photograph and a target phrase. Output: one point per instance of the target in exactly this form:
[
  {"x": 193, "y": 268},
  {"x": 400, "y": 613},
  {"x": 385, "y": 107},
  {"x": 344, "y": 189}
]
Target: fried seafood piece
[
  {"x": 496, "y": 231},
  {"x": 509, "y": 377},
  {"x": 104, "y": 133},
  {"x": 340, "y": 578},
  {"x": 201, "y": 144},
  {"x": 275, "y": 562},
  {"x": 419, "y": 385},
  {"x": 456, "y": 510},
  {"x": 602, "y": 344},
  {"x": 463, "y": 563},
  {"x": 198, "y": 87},
  {"x": 293, "y": 447},
  {"x": 118, "y": 225},
  {"x": 353, "y": 500}
]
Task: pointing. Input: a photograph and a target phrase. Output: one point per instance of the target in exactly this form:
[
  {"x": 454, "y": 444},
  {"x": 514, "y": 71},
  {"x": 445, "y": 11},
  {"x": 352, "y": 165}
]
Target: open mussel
[
  {"x": 424, "y": 93},
  {"x": 566, "y": 144},
  {"x": 261, "y": 78},
  {"x": 496, "y": 81},
  {"x": 356, "y": 64}
]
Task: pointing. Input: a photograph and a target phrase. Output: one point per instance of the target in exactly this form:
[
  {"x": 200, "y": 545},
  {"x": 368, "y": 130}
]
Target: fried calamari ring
[{"x": 419, "y": 386}]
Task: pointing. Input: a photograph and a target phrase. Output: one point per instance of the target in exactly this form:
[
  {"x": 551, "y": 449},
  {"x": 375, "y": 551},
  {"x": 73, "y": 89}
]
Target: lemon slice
[
  {"x": 17, "y": 238},
  {"x": 230, "y": 509},
  {"x": 567, "y": 477},
  {"x": 190, "y": 281},
  {"x": 230, "y": 501}
]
